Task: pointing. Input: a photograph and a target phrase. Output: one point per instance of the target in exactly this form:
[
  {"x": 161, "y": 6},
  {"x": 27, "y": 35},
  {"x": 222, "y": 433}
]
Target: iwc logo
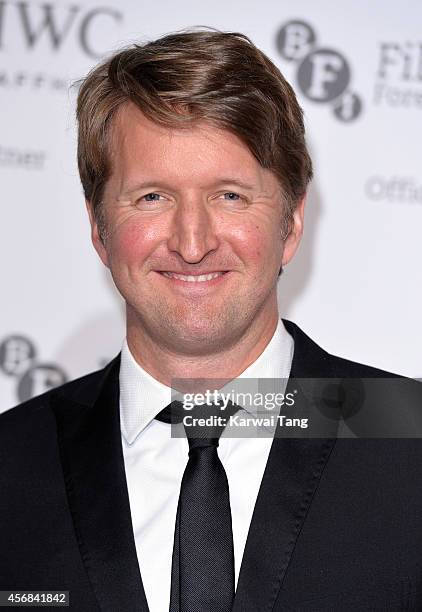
[
  {"x": 41, "y": 28},
  {"x": 323, "y": 73},
  {"x": 18, "y": 359}
]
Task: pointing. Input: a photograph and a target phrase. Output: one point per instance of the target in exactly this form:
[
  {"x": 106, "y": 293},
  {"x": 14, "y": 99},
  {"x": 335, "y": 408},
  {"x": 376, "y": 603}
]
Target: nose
[{"x": 193, "y": 233}]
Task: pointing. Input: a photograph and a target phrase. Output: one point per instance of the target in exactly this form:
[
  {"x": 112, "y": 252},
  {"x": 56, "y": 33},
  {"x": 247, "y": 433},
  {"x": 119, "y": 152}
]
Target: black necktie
[{"x": 203, "y": 559}]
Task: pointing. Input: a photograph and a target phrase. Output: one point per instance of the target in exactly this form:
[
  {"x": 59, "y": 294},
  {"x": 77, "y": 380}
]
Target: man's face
[{"x": 194, "y": 234}]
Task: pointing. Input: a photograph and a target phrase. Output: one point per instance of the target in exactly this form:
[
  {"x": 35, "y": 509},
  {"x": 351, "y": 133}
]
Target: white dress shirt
[{"x": 155, "y": 462}]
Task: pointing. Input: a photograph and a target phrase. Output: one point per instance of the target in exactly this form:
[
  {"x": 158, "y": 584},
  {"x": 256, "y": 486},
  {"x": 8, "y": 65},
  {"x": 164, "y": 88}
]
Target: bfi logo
[
  {"x": 18, "y": 359},
  {"x": 323, "y": 74},
  {"x": 55, "y": 23}
]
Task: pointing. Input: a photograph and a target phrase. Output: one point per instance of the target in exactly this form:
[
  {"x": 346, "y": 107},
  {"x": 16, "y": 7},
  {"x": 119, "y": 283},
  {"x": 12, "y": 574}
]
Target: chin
[{"x": 197, "y": 339}]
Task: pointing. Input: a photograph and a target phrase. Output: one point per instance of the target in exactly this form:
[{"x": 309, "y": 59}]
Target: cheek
[
  {"x": 259, "y": 244},
  {"x": 134, "y": 240}
]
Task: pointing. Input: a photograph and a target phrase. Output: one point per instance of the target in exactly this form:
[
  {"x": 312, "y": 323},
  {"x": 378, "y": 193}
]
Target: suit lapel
[
  {"x": 92, "y": 460},
  {"x": 290, "y": 479}
]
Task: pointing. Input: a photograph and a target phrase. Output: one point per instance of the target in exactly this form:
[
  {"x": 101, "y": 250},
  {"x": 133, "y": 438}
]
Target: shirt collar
[{"x": 142, "y": 397}]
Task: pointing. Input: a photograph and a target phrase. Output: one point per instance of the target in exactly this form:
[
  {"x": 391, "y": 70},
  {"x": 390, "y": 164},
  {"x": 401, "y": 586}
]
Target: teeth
[{"x": 193, "y": 279}]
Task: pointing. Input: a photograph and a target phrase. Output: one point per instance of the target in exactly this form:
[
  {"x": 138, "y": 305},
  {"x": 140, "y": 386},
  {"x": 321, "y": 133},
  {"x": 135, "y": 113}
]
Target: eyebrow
[
  {"x": 233, "y": 181},
  {"x": 128, "y": 189},
  {"x": 156, "y": 185}
]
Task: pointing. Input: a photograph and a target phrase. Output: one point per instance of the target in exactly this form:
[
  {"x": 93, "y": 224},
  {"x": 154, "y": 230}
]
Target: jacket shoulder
[
  {"x": 312, "y": 360},
  {"x": 82, "y": 390},
  {"x": 346, "y": 368}
]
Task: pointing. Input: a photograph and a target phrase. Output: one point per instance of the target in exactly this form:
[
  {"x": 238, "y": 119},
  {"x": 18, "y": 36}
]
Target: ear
[
  {"x": 292, "y": 241},
  {"x": 95, "y": 236}
]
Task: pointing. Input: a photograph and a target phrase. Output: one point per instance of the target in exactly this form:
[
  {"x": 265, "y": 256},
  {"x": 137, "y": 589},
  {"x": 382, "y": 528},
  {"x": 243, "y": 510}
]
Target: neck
[{"x": 165, "y": 365}]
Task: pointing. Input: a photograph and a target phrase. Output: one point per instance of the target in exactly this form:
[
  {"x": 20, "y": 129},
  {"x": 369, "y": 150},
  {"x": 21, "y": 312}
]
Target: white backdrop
[{"x": 355, "y": 285}]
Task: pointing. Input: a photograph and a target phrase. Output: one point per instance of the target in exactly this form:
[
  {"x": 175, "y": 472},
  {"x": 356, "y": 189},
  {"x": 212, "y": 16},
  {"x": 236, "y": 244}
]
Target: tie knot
[
  {"x": 200, "y": 443},
  {"x": 172, "y": 413},
  {"x": 203, "y": 424}
]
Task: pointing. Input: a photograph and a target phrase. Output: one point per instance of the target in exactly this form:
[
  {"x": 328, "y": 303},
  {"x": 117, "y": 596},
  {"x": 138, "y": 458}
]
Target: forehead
[{"x": 202, "y": 150}]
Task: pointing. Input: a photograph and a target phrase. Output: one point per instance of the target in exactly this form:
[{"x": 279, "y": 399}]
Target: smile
[{"x": 199, "y": 278}]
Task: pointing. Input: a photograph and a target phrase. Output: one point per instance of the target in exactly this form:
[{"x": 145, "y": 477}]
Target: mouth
[
  {"x": 194, "y": 278},
  {"x": 195, "y": 284}
]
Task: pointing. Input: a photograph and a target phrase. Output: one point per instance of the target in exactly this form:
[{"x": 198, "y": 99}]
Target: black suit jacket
[{"x": 337, "y": 524}]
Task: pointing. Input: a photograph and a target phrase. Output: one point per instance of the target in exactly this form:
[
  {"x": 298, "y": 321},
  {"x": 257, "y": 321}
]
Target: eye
[
  {"x": 152, "y": 201},
  {"x": 230, "y": 195},
  {"x": 233, "y": 200},
  {"x": 151, "y": 197}
]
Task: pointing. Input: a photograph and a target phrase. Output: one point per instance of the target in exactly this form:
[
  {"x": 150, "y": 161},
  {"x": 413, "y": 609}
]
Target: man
[{"x": 194, "y": 167}]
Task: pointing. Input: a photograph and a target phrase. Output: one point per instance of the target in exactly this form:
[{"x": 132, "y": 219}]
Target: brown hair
[{"x": 190, "y": 76}]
